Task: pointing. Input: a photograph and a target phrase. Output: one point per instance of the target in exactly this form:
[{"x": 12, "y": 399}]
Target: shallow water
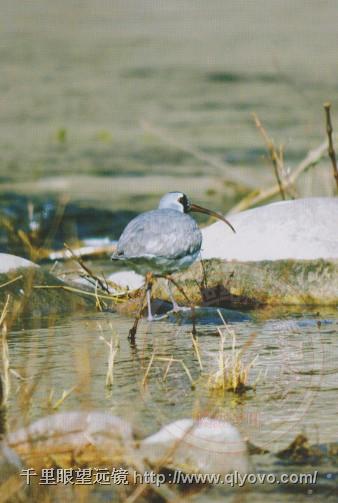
[
  {"x": 294, "y": 378},
  {"x": 296, "y": 373}
]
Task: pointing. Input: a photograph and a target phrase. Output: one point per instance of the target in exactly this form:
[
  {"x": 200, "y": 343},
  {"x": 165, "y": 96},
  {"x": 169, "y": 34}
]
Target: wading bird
[{"x": 164, "y": 240}]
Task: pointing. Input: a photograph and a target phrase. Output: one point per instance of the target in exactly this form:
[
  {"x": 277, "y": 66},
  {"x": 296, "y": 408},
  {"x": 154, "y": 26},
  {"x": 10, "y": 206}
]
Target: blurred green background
[{"x": 106, "y": 101}]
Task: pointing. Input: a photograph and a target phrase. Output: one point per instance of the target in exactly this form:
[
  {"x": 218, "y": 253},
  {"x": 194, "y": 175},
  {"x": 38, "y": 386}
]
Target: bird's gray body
[{"x": 161, "y": 241}]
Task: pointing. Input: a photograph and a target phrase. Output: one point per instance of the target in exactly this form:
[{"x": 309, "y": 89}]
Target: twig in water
[{"x": 331, "y": 151}]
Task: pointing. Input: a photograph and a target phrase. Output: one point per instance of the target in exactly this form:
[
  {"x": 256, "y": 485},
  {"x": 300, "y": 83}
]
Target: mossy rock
[
  {"x": 253, "y": 284},
  {"x": 37, "y": 293}
]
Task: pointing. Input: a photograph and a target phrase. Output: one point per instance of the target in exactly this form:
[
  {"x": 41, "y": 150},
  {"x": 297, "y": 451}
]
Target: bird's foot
[
  {"x": 179, "y": 309},
  {"x": 157, "y": 317}
]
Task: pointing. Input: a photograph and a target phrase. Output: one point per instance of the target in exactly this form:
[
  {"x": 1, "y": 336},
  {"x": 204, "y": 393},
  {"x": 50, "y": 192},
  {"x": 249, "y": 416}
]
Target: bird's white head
[
  {"x": 180, "y": 202},
  {"x": 175, "y": 201}
]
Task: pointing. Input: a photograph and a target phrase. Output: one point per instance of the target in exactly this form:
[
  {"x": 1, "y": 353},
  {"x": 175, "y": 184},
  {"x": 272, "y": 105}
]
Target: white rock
[
  {"x": 203, "y": 446},
  {"x": 299, "y": 229},
  {"x": 127, "y": 279},
  {"x": 11, "y": 262}
]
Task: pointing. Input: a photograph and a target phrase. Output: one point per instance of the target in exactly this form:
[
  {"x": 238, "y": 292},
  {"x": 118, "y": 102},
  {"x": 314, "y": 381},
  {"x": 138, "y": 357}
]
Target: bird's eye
[{"x": 185, "y": 203}]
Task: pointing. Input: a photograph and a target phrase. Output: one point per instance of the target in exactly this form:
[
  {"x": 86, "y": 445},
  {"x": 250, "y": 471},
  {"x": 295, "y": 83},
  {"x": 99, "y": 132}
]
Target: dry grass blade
[
  {"x": 181, "y": 362},
  {"x": 197, "y": 351},
  {"x": 4, "y": 375},
  {"x": 113, "y": 349},
  {"x": 331, "y": 151},
  {"x": 11, "y": 281},
  {"x": 87, "y": 270},
  {"x": 171, "y": 359},
  {"x": 187, "y": 372},
  {"x": 19, "y": 376},
  {"x": 10, "y": 488},
  {"x": 144, "y": 380},
  {"x": 4, "y": 311},
  {"x": 84, "y": 292},
  {"x": 232, "y": 373},
  {"x": 259, "y": 195},
  {"x": 30, "y": 248},
  {"x": 276, "y": 159},
  {"x": 98, "y": 302},
  {"x": 65, "y": 394}
]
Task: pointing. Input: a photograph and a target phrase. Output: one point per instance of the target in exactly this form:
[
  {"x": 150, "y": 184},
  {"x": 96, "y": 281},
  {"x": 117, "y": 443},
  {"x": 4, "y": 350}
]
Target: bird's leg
[
  {"x": 172, "y": 299},
  {"x": 133, "y": 330},
  {"x": 149, "y": 285},
  {"x": 146, "y": 293},
  {"x": 176, "y": 308},
  {"x": 192, "y": 307}
]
